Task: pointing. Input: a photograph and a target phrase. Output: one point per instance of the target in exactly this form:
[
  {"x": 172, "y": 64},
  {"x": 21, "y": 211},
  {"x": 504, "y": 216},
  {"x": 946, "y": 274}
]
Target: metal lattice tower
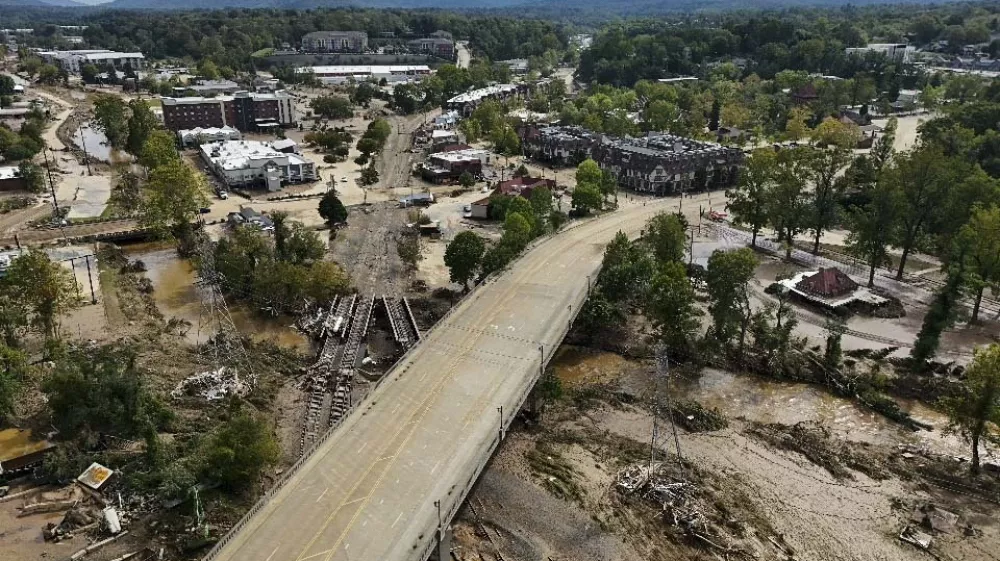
[
  {"x": 224, "y": 345},
  {"x": 662, "y": 407}
]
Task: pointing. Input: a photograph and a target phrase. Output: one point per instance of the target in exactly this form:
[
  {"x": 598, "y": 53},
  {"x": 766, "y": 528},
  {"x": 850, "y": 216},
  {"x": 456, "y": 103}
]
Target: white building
[
  {"x": 191, "y": 137},
  {"x": 895, "y": 51},
  {"x": 467, "y": 102},
  {"x": 248, "y": 163},
  {"x": 73, "y": 61},
  {"x": 341, "y": 74}
]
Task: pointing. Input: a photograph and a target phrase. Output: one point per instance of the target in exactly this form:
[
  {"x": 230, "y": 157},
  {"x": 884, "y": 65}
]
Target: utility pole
[
  {"x": 52, "y": 185},
  {"x": 86, "y": 156}
]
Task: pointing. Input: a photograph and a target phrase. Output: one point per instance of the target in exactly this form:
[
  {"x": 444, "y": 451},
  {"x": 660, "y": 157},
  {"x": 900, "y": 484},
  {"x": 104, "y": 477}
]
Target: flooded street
[
  {"x": 761, "y": 400},
  {"x": 177, "y": 296}
]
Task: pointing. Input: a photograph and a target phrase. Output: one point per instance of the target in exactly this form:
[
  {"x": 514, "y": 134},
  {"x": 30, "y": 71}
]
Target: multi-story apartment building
[
  {"x": 73, "y": 61},
  {"x": 466, "y": 103},
  {"x": 335, "y": 42},
  {"x": 664, "y": 164},
  {"x": 658, "y": 164},
  {"x": 438, "y": 46},
  {"x": 245, "y": 111},
  {"x": 565, "y": 146}
]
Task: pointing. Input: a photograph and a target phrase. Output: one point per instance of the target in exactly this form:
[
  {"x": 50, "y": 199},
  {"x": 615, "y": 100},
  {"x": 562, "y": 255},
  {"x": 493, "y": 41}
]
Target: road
[
  {"x": 369, "y": 491},
  {"x": 395, "y": 163},
  {"x": 464, "y": 57}
]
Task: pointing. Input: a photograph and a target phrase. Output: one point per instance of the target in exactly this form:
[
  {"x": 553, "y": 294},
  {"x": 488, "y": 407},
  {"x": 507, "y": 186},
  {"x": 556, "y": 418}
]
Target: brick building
[
  {"x": 335, "y": 42},
  {"x": 438, "y": 46},
  {"x": 247, "y": 112}
]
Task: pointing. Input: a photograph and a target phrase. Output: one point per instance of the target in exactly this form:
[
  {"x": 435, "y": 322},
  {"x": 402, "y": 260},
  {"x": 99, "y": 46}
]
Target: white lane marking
[
  {"x": 318, "y": 499},
  {"x": 397, "y": 520},
  {"x": 362, "y": 447},
  {"x": 273, "y": 552},
  {"x": 316, "y": 555}
]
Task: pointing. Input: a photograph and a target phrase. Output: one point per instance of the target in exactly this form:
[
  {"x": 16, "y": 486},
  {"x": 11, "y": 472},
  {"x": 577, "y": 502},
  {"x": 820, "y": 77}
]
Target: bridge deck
[{"x": 369, "y": 491}]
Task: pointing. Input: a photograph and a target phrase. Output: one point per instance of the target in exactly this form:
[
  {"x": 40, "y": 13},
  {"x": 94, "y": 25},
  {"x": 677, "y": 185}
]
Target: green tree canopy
[
  {"x": 331, "y": 209},
  {"x": 666, "y": 236},
  {"x": 975, "y": 413},
  {"x": 464, "y": 256},
  {"x": 240, "y": 450},
  {"x": 44, "y": 287}
]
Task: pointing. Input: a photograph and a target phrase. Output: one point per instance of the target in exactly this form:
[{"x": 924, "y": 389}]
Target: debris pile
[
  {"x": 213, "y": 385},
  {"x": 695, "y": 417},
  {"x": 927, "y": 520},
  {"x": 701, "y": 513}
]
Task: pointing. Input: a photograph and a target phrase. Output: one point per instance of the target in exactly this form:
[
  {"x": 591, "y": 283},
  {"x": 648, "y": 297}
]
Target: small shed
[
  {"x": 285, "y": 146},
  {"x": 481, "y": 209}
]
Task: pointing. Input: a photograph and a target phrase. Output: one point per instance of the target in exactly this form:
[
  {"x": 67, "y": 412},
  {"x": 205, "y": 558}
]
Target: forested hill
[{"x": 561, "y": 9}]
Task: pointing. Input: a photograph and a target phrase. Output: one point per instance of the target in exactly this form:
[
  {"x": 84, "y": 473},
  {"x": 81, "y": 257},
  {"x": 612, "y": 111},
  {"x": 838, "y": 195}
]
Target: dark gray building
[{"x": 658, "y": 164}]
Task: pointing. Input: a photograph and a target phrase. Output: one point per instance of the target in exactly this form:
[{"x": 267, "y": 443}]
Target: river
[
  {"x": 177, "y": 296},
  {"x": 759, "y": 399},
  {"x": 93, "y": 141}
]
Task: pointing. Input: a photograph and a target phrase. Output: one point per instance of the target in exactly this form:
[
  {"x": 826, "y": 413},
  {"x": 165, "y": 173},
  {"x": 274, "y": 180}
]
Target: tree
[
  {"x": 982, "y": 236},
  {"x": 293, "y": 243},
  {"x": 332, "y": 107},
  {"x": 111, "y": 118},
  {"x": 666, "y": 236},
  {"x": 626, "y": 270},
  {"x": 13, "y": 373},
  {"x": 408, "y": 249},
  {"x": 126, "y": 196},
  {"x": 44, "y": 287},
  {"x": 6, "y": 85},
  {"x": 158, "y": 149},
  {"x": 586, "y": 198},
  {"x": 466, "y": 180},
  {"x": 516, "y": 231},
  {"x": 924, "y": 177},
  {"x": 728, "y": 279},
  {"x": 505, "y": 140},
  {"x": 99, "y": 391},
  {"x": 714, "y": 115},
  {"x": 464, "y": 256},
  {"x": 824, "y": 168},
  {"x": 32, "y": 175},
  {"x": 208, "y": 69},
  {"x": 369, "y": 176},
  {"x": 940, "y": 315},
  {"x": 871, "y": 226},
  {"x": 588, "y": 173},
  {"x": 331, "y": 209},
  {"x": 141, "y": 124},
  {"x": 749, "y": 200},
  {"x": 787, "y": 206},
  {"x": 975, "y": 412},
  {"x": 173, "y": 197},
  {"x": 240, "y": 450},
  {"x": 796, "y": 128},
  {"x": 541, "y": 203},
  {"x": 671, "y": 307}
]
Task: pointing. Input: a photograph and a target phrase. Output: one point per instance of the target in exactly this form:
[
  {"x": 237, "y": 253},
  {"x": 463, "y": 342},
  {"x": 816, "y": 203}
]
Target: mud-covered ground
[{"x": 769, "y": 485}]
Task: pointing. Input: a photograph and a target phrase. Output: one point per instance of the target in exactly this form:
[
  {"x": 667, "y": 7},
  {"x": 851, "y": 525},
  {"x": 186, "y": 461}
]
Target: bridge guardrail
[{"x": 365, "y": 401}]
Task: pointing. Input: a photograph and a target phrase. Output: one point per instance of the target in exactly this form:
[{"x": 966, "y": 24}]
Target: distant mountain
[
  {"x": 621, "y": 7},
  {"x": 41, "y": 4}
]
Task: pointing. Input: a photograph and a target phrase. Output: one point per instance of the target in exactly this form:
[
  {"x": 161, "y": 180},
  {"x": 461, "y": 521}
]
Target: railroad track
[{"x": 404, "y": 327}]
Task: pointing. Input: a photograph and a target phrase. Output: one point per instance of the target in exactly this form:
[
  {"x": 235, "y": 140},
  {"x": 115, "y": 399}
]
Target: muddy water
[
  {"x": 177, "y": 296},
  {"x": 95, "y": 143},
  {"x": 761, "y": 400}
]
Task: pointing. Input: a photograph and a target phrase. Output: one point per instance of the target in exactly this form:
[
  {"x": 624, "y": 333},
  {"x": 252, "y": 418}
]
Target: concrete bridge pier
[{"x": 443, "y": 550}]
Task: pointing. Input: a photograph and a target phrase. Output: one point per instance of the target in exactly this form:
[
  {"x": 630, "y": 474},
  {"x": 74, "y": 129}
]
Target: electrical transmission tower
[
  {"x": 662, "y": 407},
  {"x": 223, "y": 348}
]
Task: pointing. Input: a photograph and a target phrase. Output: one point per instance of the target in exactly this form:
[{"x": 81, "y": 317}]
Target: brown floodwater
[
  {"x": 177, "y": 296},
  {"x": 762, "y": 400}
]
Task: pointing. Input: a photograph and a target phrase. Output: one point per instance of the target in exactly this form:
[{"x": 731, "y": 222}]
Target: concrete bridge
[{"x": 385, "y": 484}]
